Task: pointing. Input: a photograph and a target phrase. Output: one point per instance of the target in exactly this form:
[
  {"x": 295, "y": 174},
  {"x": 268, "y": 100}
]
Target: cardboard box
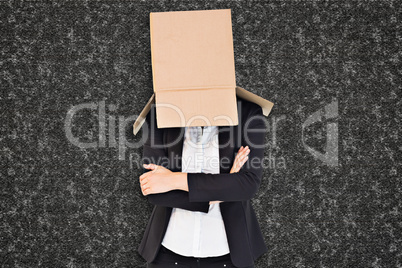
[{"x": 193, "y": 70}]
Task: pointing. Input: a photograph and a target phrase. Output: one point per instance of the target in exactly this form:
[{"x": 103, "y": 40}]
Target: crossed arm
[
  {"x": 195, "y": 191},
  {"x": 161, "y": 179}
]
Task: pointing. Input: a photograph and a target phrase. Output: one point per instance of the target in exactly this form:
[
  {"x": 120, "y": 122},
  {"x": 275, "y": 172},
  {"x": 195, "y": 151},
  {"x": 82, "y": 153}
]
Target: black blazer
[{"x": 164, "y": 147}]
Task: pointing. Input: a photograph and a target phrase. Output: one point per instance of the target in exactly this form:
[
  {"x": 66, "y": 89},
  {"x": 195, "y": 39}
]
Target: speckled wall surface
[{"x": 331, "y": 192}]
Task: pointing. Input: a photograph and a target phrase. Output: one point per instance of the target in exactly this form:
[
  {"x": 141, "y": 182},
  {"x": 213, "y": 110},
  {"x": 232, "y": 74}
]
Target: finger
[
  {"x": 142, "y": 189},
  {"x": 144, "y": 183},
  {"x": 236, "y": 166},
  {"x": 146, "y": 191},
  {"x": 146, "y": 174},
  {"x": 239, "y": 155},
  {"x": 245, "y": 150},
  {"x": 244, "y": 153},
  {"x": 143, "y": 176},
  {"x": 239, "y": 160},
  {"x": 156, "y": 168},
  {"x": 236, "y": 162},
  {"x": 144, "y": 186},
  {"x": 153, "y": 167},
  {"x": 150, "y": 166},
  {"x": 244, "y": 161}
]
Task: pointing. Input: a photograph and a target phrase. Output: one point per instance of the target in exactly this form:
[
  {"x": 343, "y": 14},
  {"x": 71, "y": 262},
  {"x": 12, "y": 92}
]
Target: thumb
[{"x": 150, "y": 166}]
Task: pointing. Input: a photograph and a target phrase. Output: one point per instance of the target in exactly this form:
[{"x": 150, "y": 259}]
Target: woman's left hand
[
  {"x": 158, "y": 180},
  {"x": 240, "y": 159}
]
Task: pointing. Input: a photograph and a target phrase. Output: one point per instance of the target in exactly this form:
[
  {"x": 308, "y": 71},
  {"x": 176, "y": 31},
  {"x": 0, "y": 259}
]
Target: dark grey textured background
[{"x": 64, "y": 206}]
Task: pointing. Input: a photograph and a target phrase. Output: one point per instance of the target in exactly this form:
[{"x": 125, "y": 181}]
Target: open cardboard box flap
[
  {"x": 241, "y": 92},
  {"x": 193, "y": 70}
]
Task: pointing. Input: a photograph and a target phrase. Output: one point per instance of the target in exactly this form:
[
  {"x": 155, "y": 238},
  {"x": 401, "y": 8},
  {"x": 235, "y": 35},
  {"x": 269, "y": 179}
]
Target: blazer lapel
[
  {"x": 173, "y": 140},
  {"x": 226, "y": 147}
]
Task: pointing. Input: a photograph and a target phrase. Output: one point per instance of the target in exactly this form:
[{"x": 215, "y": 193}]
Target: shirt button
[
  {"x": 175, "y": 263},
  {"x": 224, "y": 265}
]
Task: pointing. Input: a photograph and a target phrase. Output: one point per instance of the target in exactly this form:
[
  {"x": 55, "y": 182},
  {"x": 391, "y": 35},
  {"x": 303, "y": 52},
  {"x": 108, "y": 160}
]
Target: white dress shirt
[{"x": 194, "y": 233}]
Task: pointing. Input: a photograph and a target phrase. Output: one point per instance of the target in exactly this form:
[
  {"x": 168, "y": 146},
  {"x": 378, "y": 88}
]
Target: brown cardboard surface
[
  {"x": 204, "y": 107},
  {"x": 192, "y": 50},
  {"x": 241, "y": 92},
  {"x": 193, "y": 70},
  {"x": 193, "y": 67}
]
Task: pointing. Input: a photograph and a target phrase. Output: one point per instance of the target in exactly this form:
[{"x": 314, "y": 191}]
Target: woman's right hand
[{"x": 240, "y": 159}]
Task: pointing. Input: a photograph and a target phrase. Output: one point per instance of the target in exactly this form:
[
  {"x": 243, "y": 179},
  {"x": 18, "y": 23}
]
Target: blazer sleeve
[
  {"x": 244, "y": 184},
  {"x": 155, "y": 152}
]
